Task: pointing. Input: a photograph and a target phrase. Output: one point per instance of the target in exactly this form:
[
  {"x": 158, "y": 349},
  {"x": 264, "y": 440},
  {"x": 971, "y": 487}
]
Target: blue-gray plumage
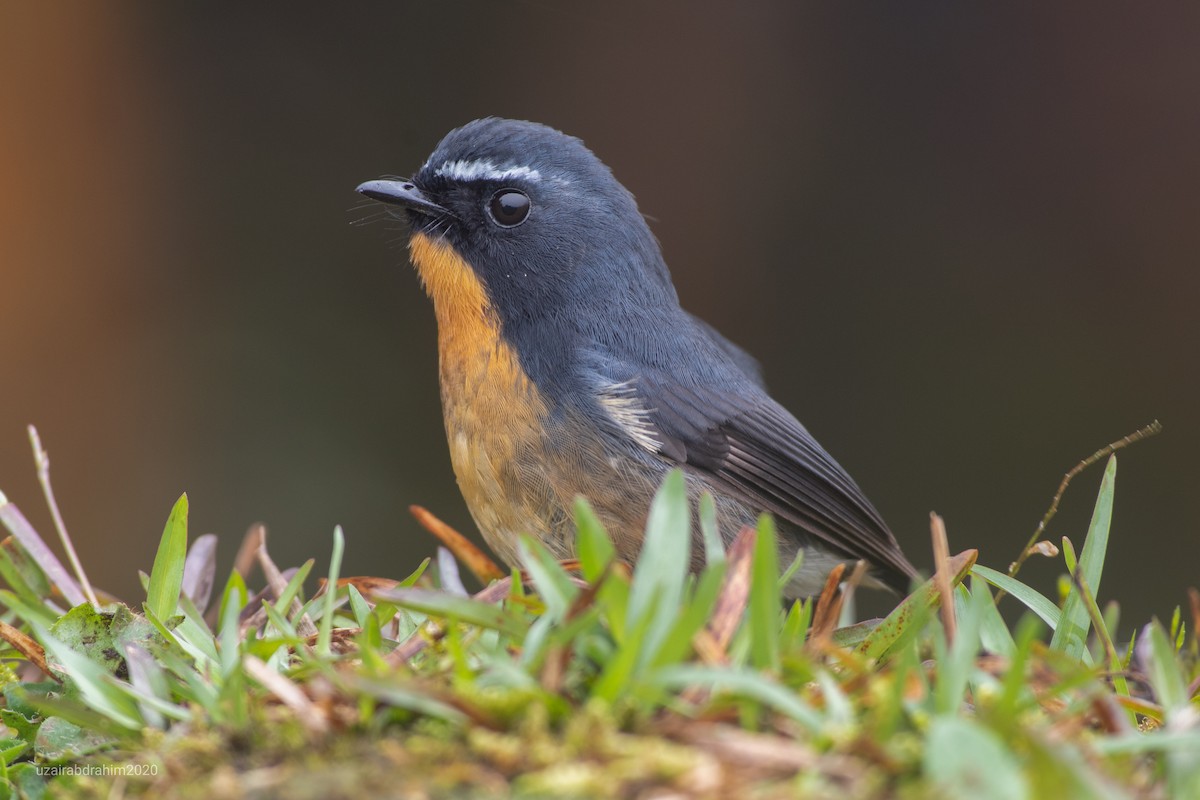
[{"x": 568, "y": 367}]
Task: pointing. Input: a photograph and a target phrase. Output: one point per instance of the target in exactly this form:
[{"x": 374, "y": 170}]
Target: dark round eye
[{"x": 509, "y": 207}]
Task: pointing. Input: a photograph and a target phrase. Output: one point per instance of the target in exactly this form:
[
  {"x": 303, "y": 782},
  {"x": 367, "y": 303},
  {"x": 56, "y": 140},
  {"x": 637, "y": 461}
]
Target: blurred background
[{"x": 963, "y": 241}]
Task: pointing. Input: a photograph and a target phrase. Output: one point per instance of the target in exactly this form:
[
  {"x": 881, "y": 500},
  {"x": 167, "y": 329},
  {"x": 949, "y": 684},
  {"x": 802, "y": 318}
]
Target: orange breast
[
  {"x": 493, "y": 412},
  {"x": 516, "y": 474}
]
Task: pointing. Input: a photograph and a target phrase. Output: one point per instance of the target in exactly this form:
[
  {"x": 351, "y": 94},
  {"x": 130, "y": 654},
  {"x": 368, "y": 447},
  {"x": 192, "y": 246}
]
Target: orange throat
[
  {"x": 467, "y": 326},
  {"x": 473, "y": 356}
]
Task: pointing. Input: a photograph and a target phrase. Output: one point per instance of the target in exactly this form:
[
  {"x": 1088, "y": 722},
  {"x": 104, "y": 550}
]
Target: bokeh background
[{"x": 962, "y": 238}]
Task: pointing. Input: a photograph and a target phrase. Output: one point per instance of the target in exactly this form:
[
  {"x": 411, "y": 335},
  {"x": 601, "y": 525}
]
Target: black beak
[{"x": 400, "y": 193}]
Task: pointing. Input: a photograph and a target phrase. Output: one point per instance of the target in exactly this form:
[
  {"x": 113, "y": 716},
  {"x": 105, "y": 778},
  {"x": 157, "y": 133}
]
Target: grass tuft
[{"x": 587, "y": 679}]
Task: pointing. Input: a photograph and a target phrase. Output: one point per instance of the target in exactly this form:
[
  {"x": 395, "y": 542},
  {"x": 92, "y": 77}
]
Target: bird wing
[{"x": 751, "y": 444}]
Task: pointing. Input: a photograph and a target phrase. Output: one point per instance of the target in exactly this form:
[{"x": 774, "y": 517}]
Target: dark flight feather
[{"x": 750, "y": 444}]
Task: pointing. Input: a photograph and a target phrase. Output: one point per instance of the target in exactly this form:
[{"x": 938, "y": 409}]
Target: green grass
[{"x": 610, "y": 681}]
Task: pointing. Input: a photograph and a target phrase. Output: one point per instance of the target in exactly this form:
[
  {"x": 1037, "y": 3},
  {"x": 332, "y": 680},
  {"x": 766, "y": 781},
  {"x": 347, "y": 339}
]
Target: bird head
[{"x": 532, "y": 216}]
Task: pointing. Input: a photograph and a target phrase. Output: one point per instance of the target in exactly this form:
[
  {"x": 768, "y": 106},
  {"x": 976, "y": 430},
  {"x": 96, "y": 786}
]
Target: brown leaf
[
  {"x": 200, "y": 570},
  {"x": 829, "y": 607},
  {"x": 474, "y": 559},
  {"x": 246, "y": 556},
  {"x": 731, "y": 600},
  {"x": 367, "y": 585}
]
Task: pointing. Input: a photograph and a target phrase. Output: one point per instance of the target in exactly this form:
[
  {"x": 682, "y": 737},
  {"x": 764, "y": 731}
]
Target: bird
[{"x": 568, "y": 368}]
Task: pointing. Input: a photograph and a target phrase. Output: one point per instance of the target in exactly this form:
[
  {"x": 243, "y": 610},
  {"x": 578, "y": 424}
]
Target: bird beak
[{"x": 400, "y": 193}]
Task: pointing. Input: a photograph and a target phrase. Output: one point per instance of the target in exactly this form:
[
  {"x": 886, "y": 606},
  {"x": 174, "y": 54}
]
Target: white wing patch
[
  {"x": 624, "y": 407},
  {"x": 484, "y": 170}
]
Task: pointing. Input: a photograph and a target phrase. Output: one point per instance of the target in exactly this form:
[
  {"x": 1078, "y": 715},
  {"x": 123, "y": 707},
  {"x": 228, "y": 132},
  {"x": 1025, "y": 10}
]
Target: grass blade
[
  {"x": 745, "y": 683},
  {"x": 909, "y": 618},
  {"x": 1031, "y": 598},
  {"x": 553, "y": 583},
  {"x": 325, "y": 632},
  {"x": 1163, "y": 670},
  {"x": 1070, "y": 636},
  {"x": 714, "y": 548},
  {"x": 166, "y": 577},
  {"x": 463, "y": 609},
  {"x": 594, "y": 547},
  {"x": 764, "y": 597},
  {"x": 662, "y": 566}
]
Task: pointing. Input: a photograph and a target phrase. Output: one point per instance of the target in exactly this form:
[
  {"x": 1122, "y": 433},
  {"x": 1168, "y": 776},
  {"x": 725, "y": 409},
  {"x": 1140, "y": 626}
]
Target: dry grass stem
[
  {"x": 733, "y": 596},
  {"x": 941, "y": 560},
  {"x": 828, "y": 609},
  {"x": 42, "y": 459},
  {"x": 288, "y": 693},
  {"x": 247, "y": 554},
  {"x": 27, "y": 647},
  {"x": 275, "y": 579}
]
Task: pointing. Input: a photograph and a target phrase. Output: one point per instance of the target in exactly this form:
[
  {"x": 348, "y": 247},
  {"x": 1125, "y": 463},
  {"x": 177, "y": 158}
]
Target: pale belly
[{"x": 518, "y": 477}]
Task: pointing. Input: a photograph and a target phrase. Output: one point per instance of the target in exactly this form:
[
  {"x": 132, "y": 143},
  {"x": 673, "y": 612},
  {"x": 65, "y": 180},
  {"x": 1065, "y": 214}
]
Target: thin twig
[
  {"x": 941, "y": 578},
  {"x": 27, "y": 647},
  {"x": 1142, "y": 433},
  {"x": 42, "y": 459}
]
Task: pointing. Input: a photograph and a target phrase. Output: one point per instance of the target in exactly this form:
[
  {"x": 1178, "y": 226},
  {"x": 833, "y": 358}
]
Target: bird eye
[{"x": 509, "y": 207}]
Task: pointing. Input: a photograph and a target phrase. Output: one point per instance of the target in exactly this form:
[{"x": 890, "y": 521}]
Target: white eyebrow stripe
[{"x": 484, "y": 170}]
